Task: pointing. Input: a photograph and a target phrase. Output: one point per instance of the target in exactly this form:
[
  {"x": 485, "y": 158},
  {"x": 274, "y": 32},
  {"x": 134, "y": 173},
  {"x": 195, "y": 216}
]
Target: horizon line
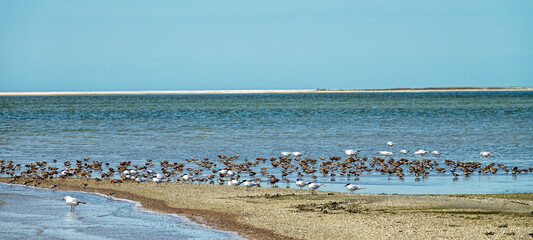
[{"x": 282, "y": 91}]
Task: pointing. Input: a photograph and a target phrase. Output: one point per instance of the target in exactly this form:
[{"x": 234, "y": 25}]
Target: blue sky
[{"x": 200, "y": 45}]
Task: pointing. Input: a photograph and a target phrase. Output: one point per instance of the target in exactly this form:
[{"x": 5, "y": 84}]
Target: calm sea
[
  {"x": 174, "y": 127},
  {"x": 29, "y": 213}
]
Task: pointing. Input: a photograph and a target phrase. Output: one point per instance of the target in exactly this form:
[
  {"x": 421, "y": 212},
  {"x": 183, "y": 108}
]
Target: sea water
[
  {"x": 134, "y": 128},
  {"x": 29, "y": 213}
]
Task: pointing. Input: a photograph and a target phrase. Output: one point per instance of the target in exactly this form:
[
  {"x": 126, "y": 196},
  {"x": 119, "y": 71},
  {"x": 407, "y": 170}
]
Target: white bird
[
  {"x": 184, "y": 178},
  {"x": 385, "y": 153},
  {"x": 234, "y": 182},
  {"x": 300, "y": 183},
  {"x": 436, "y": 153},
  {"x": 314, "y": 186},
  {"x": 230, "y": 173},
  {"x": 248, "y": 184},
  {"x": 72, "y": 202},
  {"x": 157, "y": 180},
  {"x": 285, "y": 154},
  {"x": 421, "y": 152},
  {"x": 391, "y": 143},
  {"x": 223, "y": 172},
  {"x": 351, "y": 153},
  {"x": 352, "y": 187},
  {"x": 404, "y": 152},
  {"x": 297, "y": 154},
  {"x": 485, "y": 154}
]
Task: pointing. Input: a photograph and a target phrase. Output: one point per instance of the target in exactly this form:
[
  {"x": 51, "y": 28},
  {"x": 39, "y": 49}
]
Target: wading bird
[{"x": 72, "y": 202}]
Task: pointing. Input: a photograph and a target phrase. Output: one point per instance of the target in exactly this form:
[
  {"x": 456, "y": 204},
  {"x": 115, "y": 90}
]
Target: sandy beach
[
  {"x": 293, "y": 91},
  {"x": 279, "y": 213}
]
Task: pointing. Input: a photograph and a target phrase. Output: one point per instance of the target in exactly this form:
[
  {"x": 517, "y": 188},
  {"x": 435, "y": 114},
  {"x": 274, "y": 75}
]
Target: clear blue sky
[{"x": 70, "y": 45}]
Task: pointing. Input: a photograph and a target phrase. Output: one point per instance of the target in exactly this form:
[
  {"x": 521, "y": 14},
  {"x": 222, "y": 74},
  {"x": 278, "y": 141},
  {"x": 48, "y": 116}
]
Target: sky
[{"x": 102, "y": 45}]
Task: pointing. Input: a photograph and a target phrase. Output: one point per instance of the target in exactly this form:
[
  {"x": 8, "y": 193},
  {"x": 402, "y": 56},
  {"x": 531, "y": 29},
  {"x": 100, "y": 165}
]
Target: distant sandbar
[{"x": 156, "y": 92}]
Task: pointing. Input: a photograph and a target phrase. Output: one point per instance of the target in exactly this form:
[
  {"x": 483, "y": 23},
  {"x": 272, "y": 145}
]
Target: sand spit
[
  {"x": 280, "y": 213},
  {"x": 443, "y": 89}
]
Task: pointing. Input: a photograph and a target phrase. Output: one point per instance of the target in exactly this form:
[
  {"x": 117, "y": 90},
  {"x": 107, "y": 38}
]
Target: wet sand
[
  {"x": 280, "y": 213},
  {"x": 387, "y": 90}
]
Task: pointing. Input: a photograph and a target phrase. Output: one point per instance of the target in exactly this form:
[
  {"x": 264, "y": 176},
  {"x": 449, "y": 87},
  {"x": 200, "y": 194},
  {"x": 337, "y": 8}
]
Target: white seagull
[
  {"x": 72, "y": 202},
  {"x": 485, "y": 154},
  {"x": 285, "y": 154},
  {"x": 297, "y": 154},
  {"x": 385, "y": 153},
  {"x": 352, "y": 187},
  {"x": 421, "y": 152},
  {"x": 314, "y": 186},
  {"x": 391, "y": 143},
  {"x": 404, "y": 152},
  {"x": 436, "y": 153},
  {"x": 351, "y": 153}
]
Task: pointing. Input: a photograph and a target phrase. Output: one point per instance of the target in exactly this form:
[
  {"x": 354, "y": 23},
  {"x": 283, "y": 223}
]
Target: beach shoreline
[
  {"x": 294, "y": 91},
  {"x": 280, "y": 213}
]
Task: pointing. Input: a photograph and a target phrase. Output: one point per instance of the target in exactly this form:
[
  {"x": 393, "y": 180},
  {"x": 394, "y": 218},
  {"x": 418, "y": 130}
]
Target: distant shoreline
[{"x": 185, "y": 92}]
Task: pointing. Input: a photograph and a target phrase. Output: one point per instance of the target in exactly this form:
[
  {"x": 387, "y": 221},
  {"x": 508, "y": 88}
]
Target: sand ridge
[{"x": 280, "y": 213}]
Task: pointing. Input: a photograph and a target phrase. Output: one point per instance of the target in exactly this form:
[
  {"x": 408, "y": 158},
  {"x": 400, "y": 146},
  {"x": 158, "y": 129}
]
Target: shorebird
[
  {"x": 436, "y": 153},
  {"x": 351, "y": 153},
  {"x": 222, "y": 172},
  {"x": 234, "y": 182},
  {"x": 485, "y": 154},
  {"x": 391, "y": 143},
  {"x": 72, "y": 202},
  {"x": 285, "y": 154},
  {"x": 157, "y": 180},
  {"x": 300, "y": 183},
  {"x": 385, "y": 153},
  {"x": 184, "y": 178},
  {"x": 421, "y": 152},
  {"x": 352, "y": 187},
  {"x": 404, "y": 152},
  {"x": 248, "y": 184},
  {"x": 314, "y": 186},
  {"x": 297, "y": 154}
]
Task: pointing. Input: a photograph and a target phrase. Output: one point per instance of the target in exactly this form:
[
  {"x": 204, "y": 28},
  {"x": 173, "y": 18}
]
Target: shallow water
[
  {"x": 173, "y": 127},
  {"x": 29, "y": 213}
]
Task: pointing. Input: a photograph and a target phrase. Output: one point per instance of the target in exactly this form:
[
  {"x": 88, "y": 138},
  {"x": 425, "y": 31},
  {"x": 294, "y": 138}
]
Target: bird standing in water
[
  {"x": 72, "y": 202},
  {"x": 352, "y": 187}
]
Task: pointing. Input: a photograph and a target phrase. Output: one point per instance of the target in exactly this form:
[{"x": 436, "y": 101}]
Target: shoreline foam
[{"x": 193, "y": 92}]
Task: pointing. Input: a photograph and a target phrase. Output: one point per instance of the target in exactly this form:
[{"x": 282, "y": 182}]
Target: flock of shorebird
[{"x": 229, "y": 169}]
